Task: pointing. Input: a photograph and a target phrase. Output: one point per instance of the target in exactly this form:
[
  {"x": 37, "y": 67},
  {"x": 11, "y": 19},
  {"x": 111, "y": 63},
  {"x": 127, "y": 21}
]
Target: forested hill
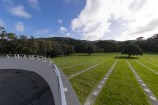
[
  {"x": 10, "y": 43},
  {"x": 71, "y": 41},
  {"x": 67, "y": 40}
]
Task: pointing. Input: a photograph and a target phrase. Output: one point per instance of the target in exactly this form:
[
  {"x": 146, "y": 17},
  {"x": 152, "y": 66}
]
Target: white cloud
[
  {"x": 63, "y": 29},
  {"x": 42, "y": 32},
  {"x": 34, "y": 4},
  {"x": 19, "y": 26},
  {"x": 19, "y": 11},
  {"x": 2, "y": 23},
  {"x": 67, "y": 35},
  {"x": 60, "y": 21},
  {"x": 139, "y": 16}
]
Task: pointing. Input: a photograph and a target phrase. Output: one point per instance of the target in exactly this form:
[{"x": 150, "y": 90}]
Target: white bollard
[{"x": 24, "y": 56}]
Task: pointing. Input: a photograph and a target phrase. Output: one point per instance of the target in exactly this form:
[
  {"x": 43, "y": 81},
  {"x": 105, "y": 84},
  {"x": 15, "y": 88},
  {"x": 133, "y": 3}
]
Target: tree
[
  {"x": 57, "y": 50},
  {"x": 132, "y": 49},
  {"x": 64, "y": 48},
  {"x": 3, "y": 33},
  {"x": 70, "y": 50},
  {"x": 90, "y": 50},
  {"x": 11, "y": 36}
]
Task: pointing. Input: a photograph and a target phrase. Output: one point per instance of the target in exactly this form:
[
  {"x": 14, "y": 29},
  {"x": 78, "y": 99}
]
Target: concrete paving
[
  {"x": 43, "y": 68},
  {"x": 20, "y": 87}
]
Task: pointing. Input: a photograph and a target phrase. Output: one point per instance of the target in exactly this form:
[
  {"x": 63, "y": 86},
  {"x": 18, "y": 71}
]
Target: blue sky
[
  {"x": 43, "y": 18},
  {"x": 81, "y": 19}
]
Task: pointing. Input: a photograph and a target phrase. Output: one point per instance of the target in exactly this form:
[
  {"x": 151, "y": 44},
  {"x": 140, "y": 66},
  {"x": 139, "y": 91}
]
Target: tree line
[{"x": 10, "y": 43}]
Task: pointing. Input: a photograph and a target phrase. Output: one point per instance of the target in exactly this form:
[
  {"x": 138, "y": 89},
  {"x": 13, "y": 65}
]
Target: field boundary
[
  {"x": 87, "y": 69},
  {"x": 147, "y": 67},
  {"x": 92, "y": 97},
  {"x": 147, "y": 91}
]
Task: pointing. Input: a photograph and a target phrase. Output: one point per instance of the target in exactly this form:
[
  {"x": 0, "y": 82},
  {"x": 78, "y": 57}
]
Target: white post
[
  {"x": 30, "y": 56},
  {"x": 18, "y": 56},
  {"x": 7, "y": 56},
  {"x": 24, "y": 56},
  {"x": 38, "y": 57},
  {"x": 15, "y": 56}
]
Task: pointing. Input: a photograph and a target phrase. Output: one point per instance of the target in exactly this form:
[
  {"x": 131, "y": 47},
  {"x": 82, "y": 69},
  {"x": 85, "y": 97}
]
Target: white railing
[
  {"x": 61, "y": 87},
  {"x": 60, "y": 83}
]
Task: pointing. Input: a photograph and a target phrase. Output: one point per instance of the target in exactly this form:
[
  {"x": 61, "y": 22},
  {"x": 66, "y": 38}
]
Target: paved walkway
[
  {"x": 148, "y": 92},
  {"x": 47, "y": 71},
  {"x": 27, "y": 87}
]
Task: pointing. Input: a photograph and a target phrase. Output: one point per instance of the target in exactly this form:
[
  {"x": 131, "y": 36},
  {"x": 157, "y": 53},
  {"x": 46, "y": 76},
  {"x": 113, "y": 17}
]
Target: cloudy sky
[{"x": 81, "y": 19}]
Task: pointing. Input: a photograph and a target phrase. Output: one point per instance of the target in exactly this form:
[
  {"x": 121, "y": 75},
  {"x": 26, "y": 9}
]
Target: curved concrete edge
[
  {"x": 47, "y": 70},
  {"x": 71, "y": 96}
]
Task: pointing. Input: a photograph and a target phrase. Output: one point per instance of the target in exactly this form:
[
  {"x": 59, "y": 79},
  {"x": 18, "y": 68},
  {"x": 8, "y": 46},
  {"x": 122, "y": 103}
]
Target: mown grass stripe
[
  {"x": 147, "y": 67},
  {"x": 92, "y": 97},
  {"x": 148, "y": 92},
  {"x": 84, "y": 84},
  {"x": 152, "y": 60},
  {"x": 149, "y": 62},
  {"x": 77, "y": 65},
  {"x": 122, "y": 88},
  {"x": 87, "y": 69}
]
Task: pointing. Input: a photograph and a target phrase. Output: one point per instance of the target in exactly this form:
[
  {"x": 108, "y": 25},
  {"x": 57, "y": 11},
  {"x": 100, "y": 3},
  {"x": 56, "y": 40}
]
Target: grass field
[{"x": 121, "y": 88}]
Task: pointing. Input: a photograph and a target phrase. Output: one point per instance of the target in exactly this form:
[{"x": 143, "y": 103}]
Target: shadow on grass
[
  {"x": 83, "y": 54},
  {"x": 125, "y": 57}
]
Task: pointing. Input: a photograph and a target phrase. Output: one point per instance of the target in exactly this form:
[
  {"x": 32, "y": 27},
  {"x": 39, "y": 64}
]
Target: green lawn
[
  {"x": 153, "y": 58},
  {"x": 82, "y": 62},
  {"x": 149, "y": 77},
  {"x": 149, "y": 64},
  {"x": 84, "y": 83},
  {"x": 122, "y": 88}
]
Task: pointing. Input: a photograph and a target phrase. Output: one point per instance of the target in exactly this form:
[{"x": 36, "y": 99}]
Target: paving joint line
[
  {"x": 92, "y": 97},
  {"x": 80, "y": 72},
  {"x": 147, "y": 67},
  {"x": 147, "y": 91}
]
